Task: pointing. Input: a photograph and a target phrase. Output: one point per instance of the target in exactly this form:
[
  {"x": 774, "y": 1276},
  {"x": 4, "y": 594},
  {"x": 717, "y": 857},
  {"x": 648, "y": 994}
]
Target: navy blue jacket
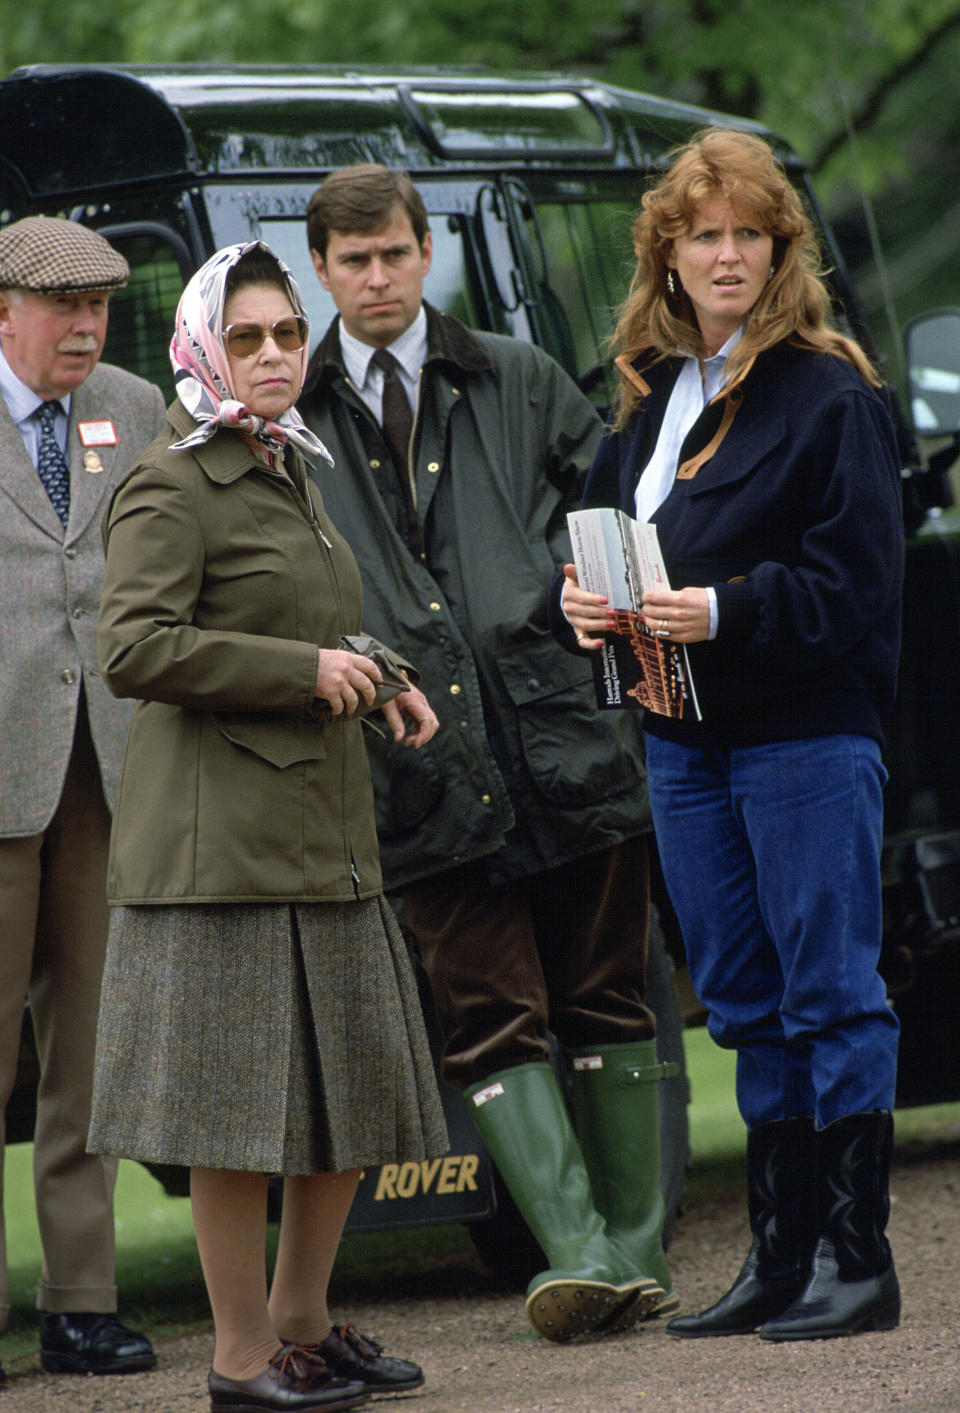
[{"x": 796, "y": 522}]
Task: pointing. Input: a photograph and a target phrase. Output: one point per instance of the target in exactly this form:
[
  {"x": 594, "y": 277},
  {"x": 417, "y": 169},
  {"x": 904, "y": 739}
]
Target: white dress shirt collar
[
  {"x": 22, "y": 403},
  {"x": 410, "y": 351},
  {"x": 697, "y": 384}
]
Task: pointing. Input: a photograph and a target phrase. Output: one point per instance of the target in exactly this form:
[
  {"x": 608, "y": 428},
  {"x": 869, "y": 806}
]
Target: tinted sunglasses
[{"x": 244, "y": 340}]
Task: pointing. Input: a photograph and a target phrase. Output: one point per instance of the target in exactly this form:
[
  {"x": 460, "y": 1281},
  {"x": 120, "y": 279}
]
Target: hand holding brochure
[{"x": 620, "y": 558}]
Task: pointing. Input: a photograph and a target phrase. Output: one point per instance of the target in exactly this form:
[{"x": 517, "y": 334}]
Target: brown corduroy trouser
[{"x": 563, "y": 950}]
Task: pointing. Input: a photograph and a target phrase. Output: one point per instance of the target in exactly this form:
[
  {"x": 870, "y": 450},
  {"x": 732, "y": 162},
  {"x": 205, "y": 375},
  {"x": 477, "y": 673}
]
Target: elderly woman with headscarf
[{"x": 259, "y": 1014}]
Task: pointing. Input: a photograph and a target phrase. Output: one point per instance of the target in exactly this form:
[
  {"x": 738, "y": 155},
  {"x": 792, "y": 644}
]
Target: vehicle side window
[
  {"x": 589, "y": 260},
  {"x": 142, "y": 314},
  {"x": 447, "y": 285}
]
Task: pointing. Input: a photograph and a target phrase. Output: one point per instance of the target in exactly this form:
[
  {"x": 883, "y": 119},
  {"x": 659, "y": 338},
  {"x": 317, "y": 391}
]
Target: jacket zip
[{"x": 307, "y": 508}]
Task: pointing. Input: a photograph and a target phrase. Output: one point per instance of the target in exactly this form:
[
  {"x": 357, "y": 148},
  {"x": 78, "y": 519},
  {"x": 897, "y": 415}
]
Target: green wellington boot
[
  {"x": 617, "y": 1118},
  {"x": 524, "y": 1123}
]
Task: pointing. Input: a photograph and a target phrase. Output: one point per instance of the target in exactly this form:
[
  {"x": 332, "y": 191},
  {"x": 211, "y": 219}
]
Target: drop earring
[{"x": 671, "y": 285}]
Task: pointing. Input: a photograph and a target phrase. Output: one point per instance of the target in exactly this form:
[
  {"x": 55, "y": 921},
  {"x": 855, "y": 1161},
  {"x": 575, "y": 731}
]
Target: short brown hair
[{"x": 361, "y": 198}]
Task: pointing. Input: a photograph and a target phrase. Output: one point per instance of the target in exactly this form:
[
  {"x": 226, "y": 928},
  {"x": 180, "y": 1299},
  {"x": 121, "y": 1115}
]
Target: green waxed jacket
[
  {"x": 524, "y": 771},
  {"x": 222, "y": 579}
]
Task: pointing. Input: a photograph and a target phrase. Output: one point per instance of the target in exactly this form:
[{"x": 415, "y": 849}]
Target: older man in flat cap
[{"x": 69, "y": 428}]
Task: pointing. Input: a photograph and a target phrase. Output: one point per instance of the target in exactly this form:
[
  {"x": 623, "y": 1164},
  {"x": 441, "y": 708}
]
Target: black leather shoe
[
  {"x": 91, "y": 1344},
  {"x": 297, "y": 1379},
  {"x": 355, "y": 1356}
]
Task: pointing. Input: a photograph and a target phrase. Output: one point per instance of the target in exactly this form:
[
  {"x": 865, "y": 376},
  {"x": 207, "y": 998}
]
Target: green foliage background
[{"x": 864, "y": 89}]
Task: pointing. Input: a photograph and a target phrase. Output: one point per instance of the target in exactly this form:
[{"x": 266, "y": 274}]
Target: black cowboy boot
[
  {"x": 853, "y": 1284},
  {"x": 780, "y": 1206}
]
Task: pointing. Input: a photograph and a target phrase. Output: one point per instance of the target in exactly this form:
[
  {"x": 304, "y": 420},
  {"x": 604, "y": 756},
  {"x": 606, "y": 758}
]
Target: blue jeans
[{"x": 771, "y": 856}]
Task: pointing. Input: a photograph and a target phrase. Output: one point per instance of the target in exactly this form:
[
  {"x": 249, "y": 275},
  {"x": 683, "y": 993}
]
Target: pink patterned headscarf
[{"x": 201, "y": 369}]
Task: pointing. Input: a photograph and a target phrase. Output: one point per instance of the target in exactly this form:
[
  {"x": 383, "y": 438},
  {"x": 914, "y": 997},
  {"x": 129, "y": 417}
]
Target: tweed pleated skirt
[{"x": 274, "y": 1038}]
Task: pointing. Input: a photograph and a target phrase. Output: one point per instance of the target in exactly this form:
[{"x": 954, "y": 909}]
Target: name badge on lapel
[
  {"x": 94, "y": 434},
  {"x": 97, "y": 433}
]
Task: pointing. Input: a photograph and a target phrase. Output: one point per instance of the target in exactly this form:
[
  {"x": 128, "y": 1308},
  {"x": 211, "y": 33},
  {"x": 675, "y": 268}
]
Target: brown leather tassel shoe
[
  {"x": 297, "y": 1380},
  {"x": 355, "y": 1356}
]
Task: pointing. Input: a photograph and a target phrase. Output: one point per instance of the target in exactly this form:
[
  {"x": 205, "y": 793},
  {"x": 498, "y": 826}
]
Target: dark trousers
[{"x": 563, "y": 950}]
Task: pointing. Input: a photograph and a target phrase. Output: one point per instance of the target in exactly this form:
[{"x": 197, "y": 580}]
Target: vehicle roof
[{"x": 69, "y": 129}]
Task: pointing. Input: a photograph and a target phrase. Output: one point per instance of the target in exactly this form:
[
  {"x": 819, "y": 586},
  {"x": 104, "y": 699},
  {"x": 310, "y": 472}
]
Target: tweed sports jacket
[{"x": 50, "y": 582}]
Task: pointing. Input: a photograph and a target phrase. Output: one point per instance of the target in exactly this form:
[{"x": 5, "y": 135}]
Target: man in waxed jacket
[{"x": 515, "y": 839}]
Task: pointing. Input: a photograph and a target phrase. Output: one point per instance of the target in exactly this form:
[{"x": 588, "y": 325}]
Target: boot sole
[
  {"x": 713, "y": 1334},
  {"x": 645, "y": 1303},
  {"x": 669, "y": 1305},
  {"x": 882, "y": 1320},
  {"x": 562, "y": 1309}
]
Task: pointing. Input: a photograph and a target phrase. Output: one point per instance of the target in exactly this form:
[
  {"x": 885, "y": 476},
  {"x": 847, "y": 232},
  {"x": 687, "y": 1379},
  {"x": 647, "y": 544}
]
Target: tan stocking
[
  {"x": 230, "y": 1222},
  {"x": 315, "y": 1209}
]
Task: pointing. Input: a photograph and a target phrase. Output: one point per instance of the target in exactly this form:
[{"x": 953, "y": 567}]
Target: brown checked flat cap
[{"x": 53, "y": 256}]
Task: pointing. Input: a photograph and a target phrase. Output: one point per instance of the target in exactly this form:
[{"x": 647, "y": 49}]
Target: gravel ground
[{"x": 478, "y": 1357}]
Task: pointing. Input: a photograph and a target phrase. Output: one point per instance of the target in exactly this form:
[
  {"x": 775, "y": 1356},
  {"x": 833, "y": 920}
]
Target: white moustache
[{"x": 87, "y": 345}]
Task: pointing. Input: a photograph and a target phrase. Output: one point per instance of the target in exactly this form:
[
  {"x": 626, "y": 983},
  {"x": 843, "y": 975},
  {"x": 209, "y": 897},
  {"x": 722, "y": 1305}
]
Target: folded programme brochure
[{"x": 620, "y": 558}]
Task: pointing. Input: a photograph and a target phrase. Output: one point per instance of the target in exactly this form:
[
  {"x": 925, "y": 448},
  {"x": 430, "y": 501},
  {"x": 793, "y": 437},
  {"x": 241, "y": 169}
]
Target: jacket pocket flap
[
  {"x": 752, "y": 449},
  {"x": 275, "y": 739},
  {"x": 539, "y": 668}
]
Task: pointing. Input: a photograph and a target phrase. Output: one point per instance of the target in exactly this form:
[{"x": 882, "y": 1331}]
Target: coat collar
[
  {"x": 20, "y": 480},
  {"x": 448, "y": 342},
  {"x": 92, "y": 469},
  {"x": 714, "y": 422},
  {"x": 225, "y": 457}
]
